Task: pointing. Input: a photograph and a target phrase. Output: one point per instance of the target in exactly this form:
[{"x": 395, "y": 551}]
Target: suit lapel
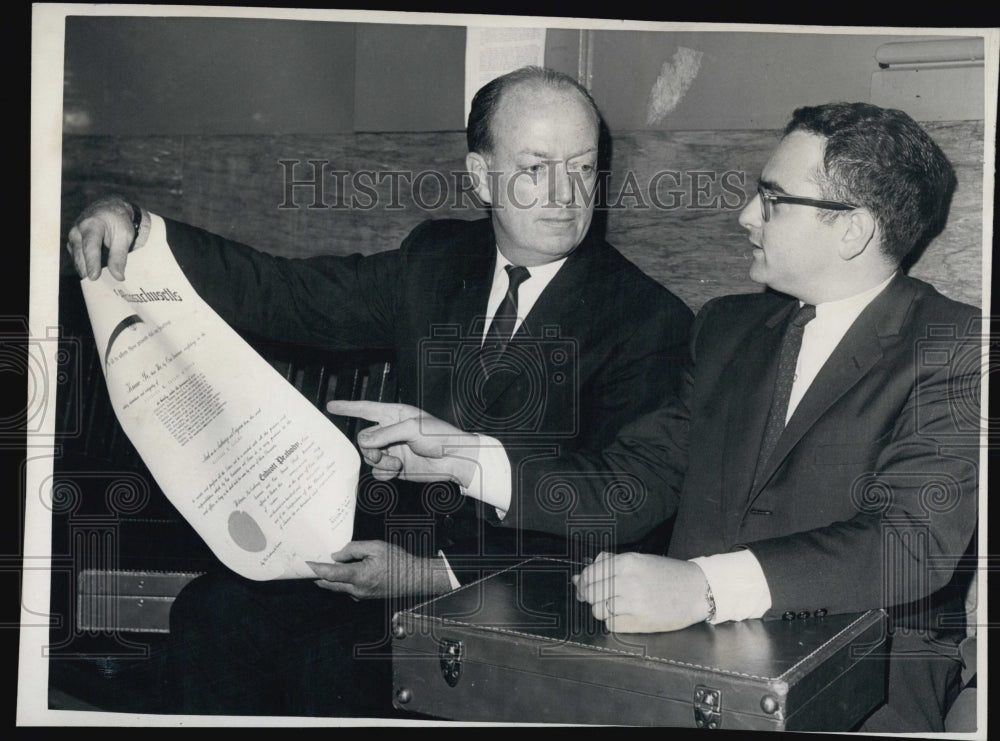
[
  {"x": 563, "y": 297},
  {"x": 460, "y": 291},
  {"x": 860, "y": 349},
  {"x": 749, "y": 383},
  {"x": 472, "y": 280}
]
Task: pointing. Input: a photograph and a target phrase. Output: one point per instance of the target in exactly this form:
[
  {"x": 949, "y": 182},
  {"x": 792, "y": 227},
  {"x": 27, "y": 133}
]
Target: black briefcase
[{"x": 518, "y": 647}]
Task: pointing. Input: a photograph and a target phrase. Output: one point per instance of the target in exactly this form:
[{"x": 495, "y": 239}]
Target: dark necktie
[
  {"x": 787, "y": 360},
  {"x": 502, "y": 327}
]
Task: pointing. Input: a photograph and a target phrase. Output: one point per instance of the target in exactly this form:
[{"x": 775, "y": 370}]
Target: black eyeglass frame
[{"x": 768, "y": 197}]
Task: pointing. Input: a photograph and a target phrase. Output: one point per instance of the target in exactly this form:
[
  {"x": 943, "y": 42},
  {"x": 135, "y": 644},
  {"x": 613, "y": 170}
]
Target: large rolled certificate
[{"x": 260, "y": 473}]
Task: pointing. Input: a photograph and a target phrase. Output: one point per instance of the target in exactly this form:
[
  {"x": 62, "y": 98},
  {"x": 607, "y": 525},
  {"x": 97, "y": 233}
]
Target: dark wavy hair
[
  {"x": 479, "y": 132},
  {"x": 881, "y": 159}
]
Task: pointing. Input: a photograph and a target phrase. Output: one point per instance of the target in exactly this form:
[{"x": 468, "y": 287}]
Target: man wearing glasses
[{"x": 827, "y": 431}]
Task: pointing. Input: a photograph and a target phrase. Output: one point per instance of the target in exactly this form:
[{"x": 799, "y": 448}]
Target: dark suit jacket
[
  {"x": 603, "y": 344},
  {"x": 870, "y": 495}
]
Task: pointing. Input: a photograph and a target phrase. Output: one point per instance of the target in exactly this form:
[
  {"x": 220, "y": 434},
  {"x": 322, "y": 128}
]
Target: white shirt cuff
[
  {"x": 491, "y": 481},
  {"x": 451, "y": 574},
  {"x": 738, "y": 585}
]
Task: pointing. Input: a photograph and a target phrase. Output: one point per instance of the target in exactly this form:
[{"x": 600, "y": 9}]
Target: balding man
[{"x": 526, "y": 329}]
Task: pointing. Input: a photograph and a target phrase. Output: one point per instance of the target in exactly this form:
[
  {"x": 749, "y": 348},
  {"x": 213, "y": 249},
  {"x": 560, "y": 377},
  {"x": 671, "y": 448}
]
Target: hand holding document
[{"x": 260, "y": 473}]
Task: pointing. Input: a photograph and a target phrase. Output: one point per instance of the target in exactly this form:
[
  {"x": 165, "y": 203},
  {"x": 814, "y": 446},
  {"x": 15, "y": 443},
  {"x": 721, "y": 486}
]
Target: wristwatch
[{"x": 710, "y": 599}]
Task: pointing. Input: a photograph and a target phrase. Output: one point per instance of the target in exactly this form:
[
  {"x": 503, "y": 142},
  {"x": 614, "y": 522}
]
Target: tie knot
[
  {"x": 804, "y": 315},
  {"x": 517, "y": 275}
]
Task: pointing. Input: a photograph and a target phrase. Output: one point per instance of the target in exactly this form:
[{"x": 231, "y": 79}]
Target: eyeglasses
[{"x": 768, "y": 197}]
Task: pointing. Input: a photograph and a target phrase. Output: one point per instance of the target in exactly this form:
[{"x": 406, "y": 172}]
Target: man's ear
[
  {"x": 477, "y": 166},
  {"x": 860, "y": 233}
]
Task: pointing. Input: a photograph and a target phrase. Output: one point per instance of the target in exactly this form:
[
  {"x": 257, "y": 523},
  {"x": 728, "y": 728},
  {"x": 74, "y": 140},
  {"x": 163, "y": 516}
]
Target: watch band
[{"x": 710, "y": 599}]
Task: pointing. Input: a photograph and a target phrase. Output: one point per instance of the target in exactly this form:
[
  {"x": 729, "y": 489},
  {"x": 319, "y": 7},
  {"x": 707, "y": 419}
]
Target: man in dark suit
[
  {"x": 526, "y": 328},
  {"x": 827, "y": 430}
]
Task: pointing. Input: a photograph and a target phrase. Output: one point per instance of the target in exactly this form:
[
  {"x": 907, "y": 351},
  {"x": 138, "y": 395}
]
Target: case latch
[
  {"x": 450, "y": 653},
  {"x": 707, "y": 707}
]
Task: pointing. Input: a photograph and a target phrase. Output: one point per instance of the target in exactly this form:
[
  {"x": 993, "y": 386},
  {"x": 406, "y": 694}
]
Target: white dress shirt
[{"x": 527, "y": 293}]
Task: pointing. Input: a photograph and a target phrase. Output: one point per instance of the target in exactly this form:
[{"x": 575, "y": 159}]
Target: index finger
[{"x": 374, "y": 411}]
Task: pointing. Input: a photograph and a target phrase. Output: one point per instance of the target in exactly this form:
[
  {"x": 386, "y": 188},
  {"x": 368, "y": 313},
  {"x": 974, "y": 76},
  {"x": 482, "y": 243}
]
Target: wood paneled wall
[{"x": 684, "y": 232}]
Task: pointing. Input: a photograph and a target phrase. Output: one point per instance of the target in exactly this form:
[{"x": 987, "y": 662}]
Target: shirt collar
[
  {"x": 544, "y": 273},
  {"x": 852, "y": 306}
]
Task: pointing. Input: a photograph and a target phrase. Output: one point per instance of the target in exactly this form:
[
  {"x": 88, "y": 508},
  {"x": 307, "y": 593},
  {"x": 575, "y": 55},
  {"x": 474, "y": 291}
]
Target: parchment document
[{"x": 260, "y": 473}]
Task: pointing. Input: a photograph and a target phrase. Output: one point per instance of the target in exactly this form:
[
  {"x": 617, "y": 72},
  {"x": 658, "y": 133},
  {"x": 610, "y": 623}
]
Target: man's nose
[
  {"x": 561, "y": 187},
  {"x": 750, "y": 215}
]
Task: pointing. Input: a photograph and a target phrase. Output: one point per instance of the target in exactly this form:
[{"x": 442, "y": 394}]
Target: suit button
[
  {"x": 449, "y": 522},
  {"x": 821, "y": 612},
  {"x": 803, "y": 615},
  {"x": 788, "y": 615}
]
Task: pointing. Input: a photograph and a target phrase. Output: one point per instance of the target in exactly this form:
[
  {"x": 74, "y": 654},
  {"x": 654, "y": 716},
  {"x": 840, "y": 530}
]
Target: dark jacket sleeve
[
  {"x": 635, "y": 479},
  {"x": 343, "y": 302}
]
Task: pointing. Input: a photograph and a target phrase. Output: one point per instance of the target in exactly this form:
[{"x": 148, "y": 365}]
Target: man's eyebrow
[
  {"x": 772, "y": 186},
  {"x": 547, "y": 156}
]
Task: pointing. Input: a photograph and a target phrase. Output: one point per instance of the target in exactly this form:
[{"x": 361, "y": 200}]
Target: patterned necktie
[
  {"x": 502, "y": 327},
  {"x": 787, "y": 361}
]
